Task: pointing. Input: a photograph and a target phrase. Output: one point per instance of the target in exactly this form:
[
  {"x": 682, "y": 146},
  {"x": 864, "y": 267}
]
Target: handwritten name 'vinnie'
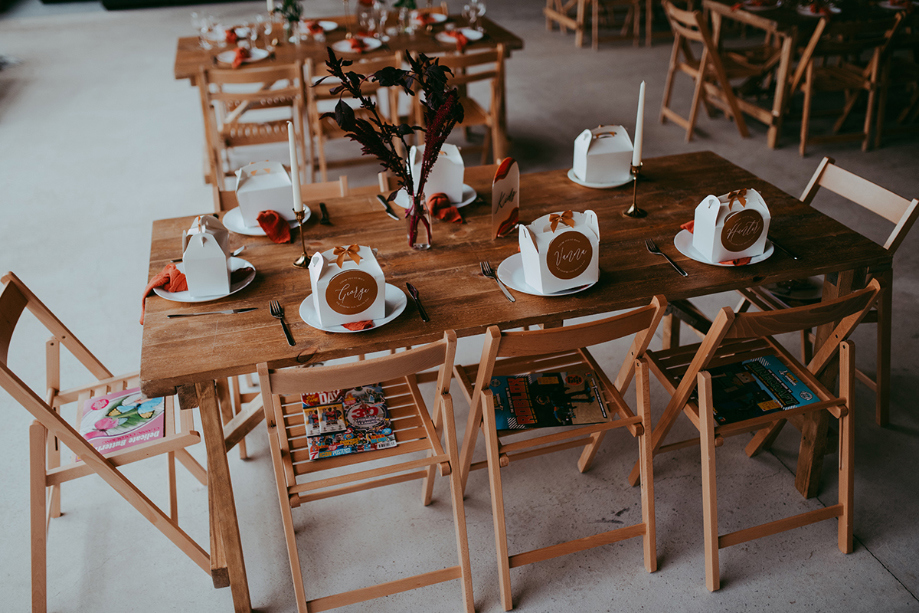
[{"x": 569, "y": 257}]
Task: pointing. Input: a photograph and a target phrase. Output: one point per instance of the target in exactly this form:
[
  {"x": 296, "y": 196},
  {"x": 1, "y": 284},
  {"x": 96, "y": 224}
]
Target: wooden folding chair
[
  {"x": 711, "y": 72},
  {"x": 241, "y": 109},
  {"x": 734, "y": 338},
  {"x": 319, "y": 101},
  {"x": 50, "y": 429},
  {"x": 559, "y": 12},
  {"x": 561, "y": 349},
  {"x": 900, "y": 75},
  {"x": 415, "y": 430}
]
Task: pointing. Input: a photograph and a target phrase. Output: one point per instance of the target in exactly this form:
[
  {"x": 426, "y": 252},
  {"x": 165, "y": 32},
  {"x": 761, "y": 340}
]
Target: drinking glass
[
  {"x": 471, "y": 14},
  {"x": 199, "y": 23},
  {"x": 480, "y": 12}
]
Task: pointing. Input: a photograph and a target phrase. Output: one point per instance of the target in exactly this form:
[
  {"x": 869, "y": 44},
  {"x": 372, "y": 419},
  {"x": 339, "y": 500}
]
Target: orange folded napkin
[
  {"x": 440, "y": 207},
  {"x": 358, "y": 44},
  {"x": 170, "y": 279},
  {"x": 461, "y": 40},
  {"x": 275, "y": 226},
  {"x": 239, "y": 55},
  {"x": 230, "y": 36},
  {"x": 356, "y": 326},
  {"x": 426, "y": 19},
  {"x": 314, "y": 27},
  {"x": 690, "y": 225}
]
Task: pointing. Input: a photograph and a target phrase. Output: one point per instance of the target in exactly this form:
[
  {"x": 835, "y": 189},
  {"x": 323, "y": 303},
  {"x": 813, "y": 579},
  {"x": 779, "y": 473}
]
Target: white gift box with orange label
[
  {"x": 205, "y": 257},
  {"x": 263, "y": 186},
  {"x": 731, "y": 226},
  {"x": 446, "y": 174},
  {"x": 602, "y": 155},
  {"x": 348, "y": 285},
  {"x": 561, "y": 251}
]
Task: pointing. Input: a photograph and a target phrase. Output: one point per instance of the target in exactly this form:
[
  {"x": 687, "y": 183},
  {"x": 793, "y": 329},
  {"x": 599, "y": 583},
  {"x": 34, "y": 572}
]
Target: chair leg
[
  {"x": 846, "y": 446},
  {"x": 646, "y": 458},
  {"x": 709, "y": 489},
  {"x": 579, "y": 29},
  {"x": 806, "y": 113},
  {"x": 497, "y": 506},
  {"x": 38, "y": 437},
  {"x": 696, "y": 98},
  {"x": 668, "y": 84},
  {"x": 882, "y": 376},
  {"x": 427, "y": 485},
  {"x": 173, "y": 500},
  {"x": 670, "y": 332},
  {"x": 459, "y": 510}
]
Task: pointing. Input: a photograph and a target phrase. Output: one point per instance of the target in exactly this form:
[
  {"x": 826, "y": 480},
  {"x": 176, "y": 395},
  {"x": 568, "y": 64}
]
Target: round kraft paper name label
[
  {"x": 741, "y": 230},
  {"x": 569, "y": 255},
  {"x": 351, "y": 292}
]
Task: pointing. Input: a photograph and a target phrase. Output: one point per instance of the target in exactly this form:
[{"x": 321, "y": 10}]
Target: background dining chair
[
  {"x": 319, "y": 100},
  {"x": 415, "y": 431},
  {"x": 561, "y": 350},
  {"x": 250, "y": 107},
  {"x": 711, "y": 72},
  {"x": 559, "y": 12},
  {"x": 686, "y": 374},
  {"x": 899, "y": 81},
  {"x": 49, "y": 470}
]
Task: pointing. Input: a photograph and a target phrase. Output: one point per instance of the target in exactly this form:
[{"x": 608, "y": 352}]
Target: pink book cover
[{"x": 122, "y": 419}]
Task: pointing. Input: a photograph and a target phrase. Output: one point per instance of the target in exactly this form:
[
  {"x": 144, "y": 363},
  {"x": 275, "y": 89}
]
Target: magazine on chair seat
[{"x": 340, "y": 422}]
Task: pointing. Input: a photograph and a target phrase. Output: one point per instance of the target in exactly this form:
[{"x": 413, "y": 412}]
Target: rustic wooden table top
[
  {"x": 195, "y": 349},
  {"x": 190, "y": 58}
]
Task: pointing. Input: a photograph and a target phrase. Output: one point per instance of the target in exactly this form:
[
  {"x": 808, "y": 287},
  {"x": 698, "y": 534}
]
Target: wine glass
[
  {"x": 471, "y": 14},
  {"x": 199, "y": 23},
  {"x": 480, "y": 12}
]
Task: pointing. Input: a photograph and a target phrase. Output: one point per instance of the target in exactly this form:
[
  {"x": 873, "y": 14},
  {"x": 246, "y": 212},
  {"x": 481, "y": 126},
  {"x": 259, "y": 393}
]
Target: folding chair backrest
[
  {"x": 308, "y": 192},
  {"x": 321, "y": 92},
  {"x": 688, "y": 24},
  {"x": 880, "y": 201},
  {"x": 474, "y": 67}
]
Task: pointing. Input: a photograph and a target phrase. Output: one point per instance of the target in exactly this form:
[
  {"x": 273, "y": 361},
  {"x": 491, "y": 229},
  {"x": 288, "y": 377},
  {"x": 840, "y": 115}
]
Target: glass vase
[{"x": 418, "y": 225}]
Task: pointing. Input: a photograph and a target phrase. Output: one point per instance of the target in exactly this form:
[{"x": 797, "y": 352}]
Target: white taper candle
[
  {"x": 294, "y": 167},
  {"x": 639, "y": 125}
]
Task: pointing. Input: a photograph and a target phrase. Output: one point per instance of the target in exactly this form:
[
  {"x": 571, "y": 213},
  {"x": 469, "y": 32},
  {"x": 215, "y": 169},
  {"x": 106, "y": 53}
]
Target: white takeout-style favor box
[
  {"x": 446, "y": 174},
  {"x": 264, "y": 186},
  {"x": 205, "y": 256},
  {"x": 563, "y": 258},
  {"x": 602, "y": 155},
  {"x": 731, "y": 226},
  {"x": 345, "y": 290}
]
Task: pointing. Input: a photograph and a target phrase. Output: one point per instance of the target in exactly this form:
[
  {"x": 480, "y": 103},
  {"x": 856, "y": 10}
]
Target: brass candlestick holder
[
  {"x": 304, "y": 260},
  {"x": 634, "y": 212}
]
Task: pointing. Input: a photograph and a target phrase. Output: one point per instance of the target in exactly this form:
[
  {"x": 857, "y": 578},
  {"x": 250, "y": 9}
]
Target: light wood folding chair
[
  {"x": 559, "y": 12},
  {"x": 251, "y": 106},
  {"x": 711, "y": 72},
  {"x": 319, "y": 101},
  {"x": 733, "y": 338},
  {"x": 48, "y": 470},
  {"x": 895, "y": 209},
  {"x": 416, "y": 433},
  {"x": 561, "y": 349},
  {"x": 900, "y": 75}
]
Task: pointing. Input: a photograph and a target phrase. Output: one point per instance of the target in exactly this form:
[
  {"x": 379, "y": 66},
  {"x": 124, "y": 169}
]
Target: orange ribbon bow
[
  {"x": 566, "y": 218},
  {"x": 739, "y": 195},
  {"x": 352, "y": 252}
]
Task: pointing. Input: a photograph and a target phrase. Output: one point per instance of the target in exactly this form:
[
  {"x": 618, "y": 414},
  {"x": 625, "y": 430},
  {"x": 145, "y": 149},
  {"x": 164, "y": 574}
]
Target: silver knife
[
  {"x": 783, "y": 249},
  {"x": 413, "y": 292},
  {"x": 386, "y": 206},
  {"x": 227, "y": 312}
]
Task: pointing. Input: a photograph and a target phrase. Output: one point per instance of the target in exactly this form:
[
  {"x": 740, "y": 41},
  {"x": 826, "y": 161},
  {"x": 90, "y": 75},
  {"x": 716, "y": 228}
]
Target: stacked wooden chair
[
  {"x": 686, "y": 374},
  {"x": 432, "y": 436},
  {"x": 554, "y": 350},
  {"x": 559, "y": 12},
  {"x": 49, "y": 469}
]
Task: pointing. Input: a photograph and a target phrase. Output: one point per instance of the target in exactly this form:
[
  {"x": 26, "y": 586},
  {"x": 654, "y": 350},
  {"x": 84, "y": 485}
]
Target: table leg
[
  {"x": 781, "y": 85},
  {"x": 220, "y": 494}
]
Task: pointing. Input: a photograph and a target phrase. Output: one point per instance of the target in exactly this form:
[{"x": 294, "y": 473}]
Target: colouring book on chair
[
  {"x": 341, "y": 422},
  {"x": 756, "y": 387},
  {"x": 121, "y": 419},
  {"x": 545, "y": 400}
]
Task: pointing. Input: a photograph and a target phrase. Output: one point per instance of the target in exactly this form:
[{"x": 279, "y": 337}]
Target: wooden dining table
[
  {"x": 188, "y": 355},
  {"x": 190, "y": 58}
]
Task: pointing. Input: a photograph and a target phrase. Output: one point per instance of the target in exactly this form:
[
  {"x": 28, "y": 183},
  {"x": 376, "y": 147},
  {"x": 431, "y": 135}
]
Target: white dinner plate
[
  {"x": 233, "y": 221},
  {"x": 614, "y": 183},
  {"x": 235, "y": 264},
  {"x": 805, "y": 11},
  {"x": 510, "y": 271},
  {"x": 469, "y": 196},
  {"x": 470, "y": 34},
  {"x": 435, "y": 18},
  {"x": 683, "y": 243},
  {"x": 255, "y": 55},
  {"x": 761, "y": 7},
  {"x": 344, "y": 46},
  {"x": 395, "y": 303},
  {"x": 327, "y": 26}
]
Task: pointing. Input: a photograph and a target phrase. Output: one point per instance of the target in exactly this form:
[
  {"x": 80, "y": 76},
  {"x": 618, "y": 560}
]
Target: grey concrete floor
[{"x": 98, "y": 140}]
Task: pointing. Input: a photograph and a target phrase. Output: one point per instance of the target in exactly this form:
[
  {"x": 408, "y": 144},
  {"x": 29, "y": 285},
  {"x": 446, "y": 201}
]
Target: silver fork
[
  {"x": 277, "y": 311},
  {"x": 652, "y": 247},
  {"x": 488, "y": 272}
]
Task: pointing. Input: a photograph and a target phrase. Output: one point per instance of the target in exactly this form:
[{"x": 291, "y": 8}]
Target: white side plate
[
  {"x": 395, "y": 303},
  {"x": 233, "y": 221},
  {"x": 235, "y": 264},
  {"x": 510, "y": 271},
  {"x": 683, "y": 243}
]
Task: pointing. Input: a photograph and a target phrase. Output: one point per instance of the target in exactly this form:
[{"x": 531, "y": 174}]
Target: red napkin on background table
[
  {"x": 690, "y": 225},
  {"x": 170, "y": 279},
  {"x": 461, "y": 40},
  {"x": 314, "y": 27},
  {"x": 275, "y": 226},
  {"x": 440, "y": 207},
  {"x": 426, "y": 19},
  {"x": 358, "y": 44},
  {"x": 240, "y": 54},
  {"x": 355, "y": 326},
  {"x": 230, "y": 36}
]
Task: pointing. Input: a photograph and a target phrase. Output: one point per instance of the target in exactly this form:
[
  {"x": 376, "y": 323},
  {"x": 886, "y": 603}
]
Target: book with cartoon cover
[
  {"x": 756, "y": 387},
  {"x": 549, "y": 399},
  {"x": 340, "y": 422},
  {"x": 121, "y": 419}
]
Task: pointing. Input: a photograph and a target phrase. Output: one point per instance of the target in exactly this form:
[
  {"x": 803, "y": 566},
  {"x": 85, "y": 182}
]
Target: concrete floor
[{"x": 99, "y": 140}]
